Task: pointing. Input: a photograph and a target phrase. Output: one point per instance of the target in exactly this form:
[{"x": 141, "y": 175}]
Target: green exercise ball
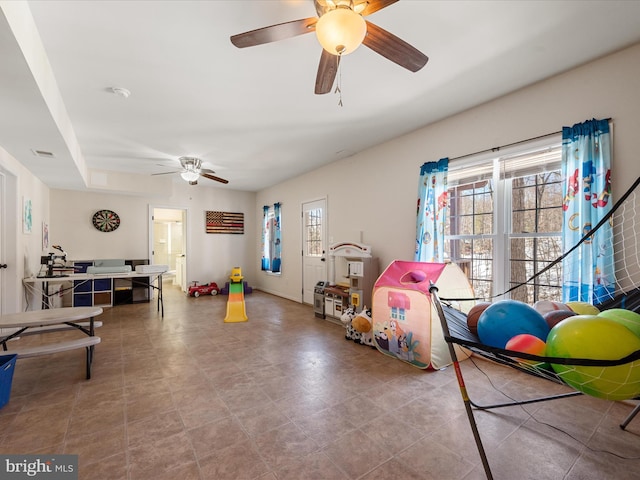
[{"x": 598, "y": 338}]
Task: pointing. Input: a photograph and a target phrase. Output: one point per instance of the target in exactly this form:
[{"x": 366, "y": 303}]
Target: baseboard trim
[{"x": 278, "y": 294}]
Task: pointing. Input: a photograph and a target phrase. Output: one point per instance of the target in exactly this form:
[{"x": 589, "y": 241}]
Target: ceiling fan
[
  {"x": 192, "y": 170},
  {"x": 340, "y": 28}
]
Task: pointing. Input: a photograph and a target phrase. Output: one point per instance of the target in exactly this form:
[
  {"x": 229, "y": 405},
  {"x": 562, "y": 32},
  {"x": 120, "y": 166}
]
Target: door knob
[{"x": 3, "y": 265}]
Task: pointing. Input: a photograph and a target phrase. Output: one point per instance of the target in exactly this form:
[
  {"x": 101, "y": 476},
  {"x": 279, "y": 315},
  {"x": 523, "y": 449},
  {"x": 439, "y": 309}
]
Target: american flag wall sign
[{"x": 225, "y": 222}]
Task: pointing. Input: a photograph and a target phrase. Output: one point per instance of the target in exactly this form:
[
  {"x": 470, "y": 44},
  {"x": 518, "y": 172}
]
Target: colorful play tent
[{"x": 405, "y": 322}]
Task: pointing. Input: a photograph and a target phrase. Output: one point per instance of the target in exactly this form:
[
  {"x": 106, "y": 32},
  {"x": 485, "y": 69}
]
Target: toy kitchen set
[{"x": 353, "y": 262}]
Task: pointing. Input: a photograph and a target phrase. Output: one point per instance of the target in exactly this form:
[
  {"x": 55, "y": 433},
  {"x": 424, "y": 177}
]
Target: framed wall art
[
  {"x": 45, "y": 235},
  {"x": 27, "y": 215},
  {"x": 224, "y": 222}
]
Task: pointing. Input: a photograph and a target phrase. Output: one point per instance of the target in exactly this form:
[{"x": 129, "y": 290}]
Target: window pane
[
  {"x": 470, "y": 209},
  {"x": 483, "y": 201},
  {"x": 466, "y": 225},
  {"x": 528, "y": 257},
  {"x": 552, "y": 220},
  {"x": 536, "y": 205},
  {"x": 483, "y": 224},
  {"x": 475, "y": 258},
  {"x": 313, "y": 225}
]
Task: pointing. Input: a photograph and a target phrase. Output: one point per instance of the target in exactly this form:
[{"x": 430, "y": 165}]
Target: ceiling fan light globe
[
  {"x": 341, "y": 31},
  {"x": 190, "y": 176}
]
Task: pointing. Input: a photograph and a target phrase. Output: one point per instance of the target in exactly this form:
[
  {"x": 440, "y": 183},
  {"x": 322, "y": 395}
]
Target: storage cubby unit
[
  {"x": 102, "y": 292},
  {"x": 91, "y": 293},
  {"x": 82, "y": 293},
  {"x": 107, "y": 292},
  {"x": 140, "y": 286}
]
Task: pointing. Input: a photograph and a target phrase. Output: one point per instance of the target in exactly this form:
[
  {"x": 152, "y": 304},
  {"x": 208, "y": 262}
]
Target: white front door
[
  {"x": 3, "y": 259},
  {"x": 314, "y": 247},
  {"x": 10, "y": 299}
]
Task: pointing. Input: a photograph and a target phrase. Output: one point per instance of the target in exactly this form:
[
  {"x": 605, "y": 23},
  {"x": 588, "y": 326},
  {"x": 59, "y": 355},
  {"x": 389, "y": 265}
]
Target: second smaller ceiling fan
[{"x": 192, "y": 170}]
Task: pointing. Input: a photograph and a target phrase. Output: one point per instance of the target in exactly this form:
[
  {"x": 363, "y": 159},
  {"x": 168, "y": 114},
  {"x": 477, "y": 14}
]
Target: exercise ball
[
  {"x": 544, "y": 306},
  {"x": 596, "y": 338},
  {"x": 556, "y": 316},
  {"x": 503, "y": 320},
  {"x": 629, "y": 319},
  {"x": 474, "y": 315},
  {"x": 527, "y": 343},
  {"x": 583, "y": 308}
]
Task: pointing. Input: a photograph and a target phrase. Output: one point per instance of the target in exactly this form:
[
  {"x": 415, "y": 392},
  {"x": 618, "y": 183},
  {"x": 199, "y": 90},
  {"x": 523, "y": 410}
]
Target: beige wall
[
  {"x": 372, "y": 195},
  {"x": 211, "y": 257}
]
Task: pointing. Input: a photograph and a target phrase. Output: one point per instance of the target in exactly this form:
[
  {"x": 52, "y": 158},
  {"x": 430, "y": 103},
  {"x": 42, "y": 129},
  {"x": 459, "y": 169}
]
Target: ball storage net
[{"x": 613, "y": 376}]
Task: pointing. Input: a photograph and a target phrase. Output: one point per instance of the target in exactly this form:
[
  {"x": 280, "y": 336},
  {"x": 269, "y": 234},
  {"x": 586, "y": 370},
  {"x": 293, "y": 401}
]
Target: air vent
[{"x": 43, "y": 154}]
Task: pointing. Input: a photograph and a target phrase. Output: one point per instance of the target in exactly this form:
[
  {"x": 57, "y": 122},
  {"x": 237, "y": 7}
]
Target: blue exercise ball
[{"x": 501, "y": 321}]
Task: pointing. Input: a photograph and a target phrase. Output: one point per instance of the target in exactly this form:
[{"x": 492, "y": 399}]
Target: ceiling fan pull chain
[{"x": 338, "y": 89}]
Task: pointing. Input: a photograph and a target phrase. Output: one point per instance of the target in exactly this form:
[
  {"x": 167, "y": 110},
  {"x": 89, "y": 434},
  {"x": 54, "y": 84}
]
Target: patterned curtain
[
  {"x": 277, "y": 247},
  {"x": 432, "y": 209},
  {"x": 265, "y": 235},
  {"x": 586, "y": 169}
]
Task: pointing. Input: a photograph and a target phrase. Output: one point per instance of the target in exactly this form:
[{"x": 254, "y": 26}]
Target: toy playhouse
[{"x": 405, "y": 321}]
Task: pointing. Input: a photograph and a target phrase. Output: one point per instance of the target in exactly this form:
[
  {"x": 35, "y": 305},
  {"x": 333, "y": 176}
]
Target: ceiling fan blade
[
  {"x": 321, "y": 7},
  {"x": 375, "y": 5},
  {"x": 327, "y": 70},
  {"x": 274, "y": 33},
  {"x": 213, "y": 177},
  {"x": 393, "y": 48},
  {"x": 166, "y": 173}
]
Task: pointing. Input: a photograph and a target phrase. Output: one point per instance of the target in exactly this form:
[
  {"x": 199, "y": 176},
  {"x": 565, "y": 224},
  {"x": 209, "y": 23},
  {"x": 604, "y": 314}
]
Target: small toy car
[{"x": 196, "y": 290}]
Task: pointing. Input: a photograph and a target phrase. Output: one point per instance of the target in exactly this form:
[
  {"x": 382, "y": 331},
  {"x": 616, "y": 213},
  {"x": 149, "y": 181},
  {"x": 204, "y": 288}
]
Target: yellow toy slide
[{"x": 236, "y": 311}]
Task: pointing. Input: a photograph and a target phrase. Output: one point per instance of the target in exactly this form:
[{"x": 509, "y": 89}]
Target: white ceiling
[{"x": 251, "y": 114}]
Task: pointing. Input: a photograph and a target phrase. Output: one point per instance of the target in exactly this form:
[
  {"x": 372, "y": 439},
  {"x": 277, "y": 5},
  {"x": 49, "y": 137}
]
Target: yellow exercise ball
[
  {"x": 583, "y": 308},
  {"x": 596, "y": 338}
]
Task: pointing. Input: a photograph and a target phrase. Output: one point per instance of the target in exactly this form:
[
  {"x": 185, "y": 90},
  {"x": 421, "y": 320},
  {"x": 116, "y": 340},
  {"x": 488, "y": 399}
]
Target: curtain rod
[{"x": 497, "y": 149}]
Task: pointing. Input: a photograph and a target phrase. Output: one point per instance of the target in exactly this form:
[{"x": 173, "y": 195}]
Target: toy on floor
[
  {"x": 405, "y": 320},
  {"x": 347, "y": 320},
  {"x": 196, "y": 290},
  {"x": 363, "y": 324},
  {"x": 359, "y": 326},
  {"x": 236, "y": 311},
  {"x": 246, "y": 288}
]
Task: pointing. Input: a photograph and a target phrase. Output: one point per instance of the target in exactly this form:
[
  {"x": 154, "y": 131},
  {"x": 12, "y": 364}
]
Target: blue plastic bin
[{"x": 7, "y": 366}]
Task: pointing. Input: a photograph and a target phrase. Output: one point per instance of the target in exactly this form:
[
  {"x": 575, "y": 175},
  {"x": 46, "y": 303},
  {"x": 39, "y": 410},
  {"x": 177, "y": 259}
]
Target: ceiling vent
[{"x": 43, "y": 154}]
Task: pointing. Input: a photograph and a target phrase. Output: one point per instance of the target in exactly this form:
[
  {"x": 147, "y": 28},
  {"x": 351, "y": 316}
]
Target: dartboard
[{"x": 106, "y": 220}]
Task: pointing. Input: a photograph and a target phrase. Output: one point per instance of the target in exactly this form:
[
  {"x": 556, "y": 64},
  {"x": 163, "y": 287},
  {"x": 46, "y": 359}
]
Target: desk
[{"x": 42, "y": 284}]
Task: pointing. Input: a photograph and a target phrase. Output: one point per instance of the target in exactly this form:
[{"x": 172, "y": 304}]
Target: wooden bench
[{"x": 46, "y": 349}]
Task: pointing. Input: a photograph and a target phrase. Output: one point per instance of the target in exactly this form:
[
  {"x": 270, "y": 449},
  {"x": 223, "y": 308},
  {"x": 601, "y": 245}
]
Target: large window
[{"x": 505, "y": 220}]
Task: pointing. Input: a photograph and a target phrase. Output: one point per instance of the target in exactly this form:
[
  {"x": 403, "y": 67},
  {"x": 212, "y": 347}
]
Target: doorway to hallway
[{"x": 168, "y": 241}]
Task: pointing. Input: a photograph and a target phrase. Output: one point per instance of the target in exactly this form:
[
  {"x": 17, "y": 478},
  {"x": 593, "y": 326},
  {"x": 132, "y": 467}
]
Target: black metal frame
[{"x": 470, "y": 405}]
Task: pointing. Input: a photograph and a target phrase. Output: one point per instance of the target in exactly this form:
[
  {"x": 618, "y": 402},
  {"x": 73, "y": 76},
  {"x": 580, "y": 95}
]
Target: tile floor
[{"x": 285, "y": 396}]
